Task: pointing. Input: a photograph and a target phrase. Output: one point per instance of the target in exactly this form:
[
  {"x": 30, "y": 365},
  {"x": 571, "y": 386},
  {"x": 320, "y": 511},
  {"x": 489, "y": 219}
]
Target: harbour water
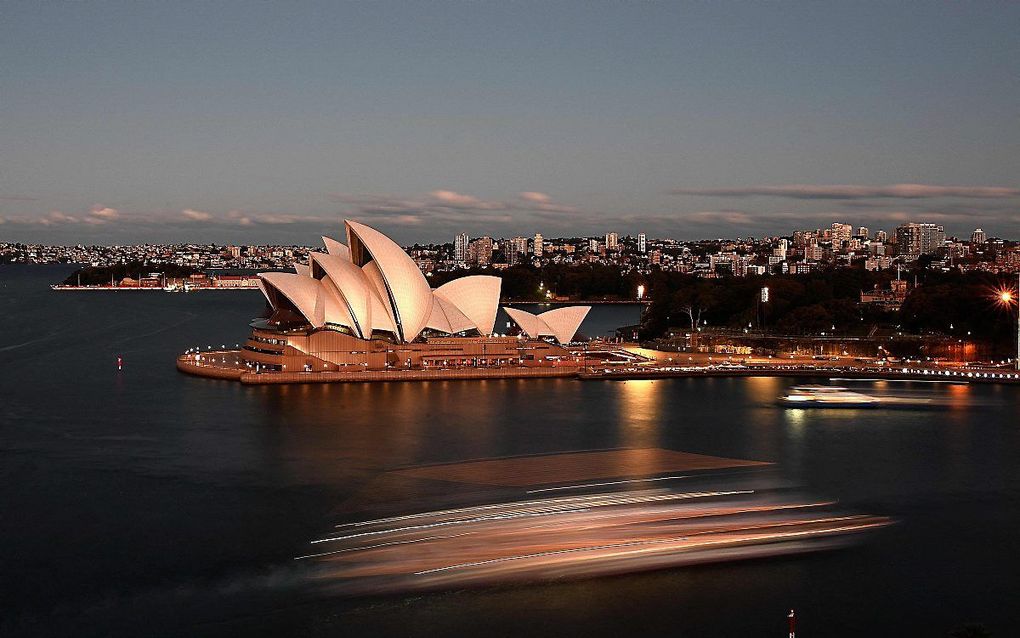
[{"x": 146, "y": 502}]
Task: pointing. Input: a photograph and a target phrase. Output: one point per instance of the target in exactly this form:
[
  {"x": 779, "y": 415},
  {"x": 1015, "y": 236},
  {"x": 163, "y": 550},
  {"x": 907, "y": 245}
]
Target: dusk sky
[{"x": 258, "y": 122}]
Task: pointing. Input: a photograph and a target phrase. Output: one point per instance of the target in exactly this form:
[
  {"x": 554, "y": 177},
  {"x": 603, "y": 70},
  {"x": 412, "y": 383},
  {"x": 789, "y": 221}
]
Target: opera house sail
[{"x": 365, "y": 306}]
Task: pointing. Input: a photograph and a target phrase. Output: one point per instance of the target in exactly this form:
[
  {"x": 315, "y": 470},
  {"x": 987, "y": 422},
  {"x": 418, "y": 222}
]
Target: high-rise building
[
  {"x": 781, "y": 249},
  {"x": 517, "y": 252},
  {"x": 480, "y": 251},
  {"x": 881, "y": 236},
  {"x": 460, "y": 248},
  {"x": 978, "y": 237},
  {"x": 802, "y": 238},
  {"x": 537, "y": 247},
  {"x": 862, "y": 232},
  {"x": 593, "y": 245},
  {"x": 642, "y": 243},
  {"x": 612, "y": 241},
  {"x": 914, "y": 240},
  {"x": 841, "y": 233}
]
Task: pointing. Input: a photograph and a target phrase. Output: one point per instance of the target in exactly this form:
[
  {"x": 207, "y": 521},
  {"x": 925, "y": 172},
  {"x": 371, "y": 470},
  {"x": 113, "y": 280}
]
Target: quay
[{"x": 229, "y": 365}]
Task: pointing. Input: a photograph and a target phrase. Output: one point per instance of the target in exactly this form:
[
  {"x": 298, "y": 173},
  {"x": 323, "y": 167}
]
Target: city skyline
[{"x": 240, "y": 124}]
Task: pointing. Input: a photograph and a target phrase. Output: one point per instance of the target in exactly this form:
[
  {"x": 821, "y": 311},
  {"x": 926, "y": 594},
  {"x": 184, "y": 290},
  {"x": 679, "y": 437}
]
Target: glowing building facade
[{"x": 366, "y": 305}]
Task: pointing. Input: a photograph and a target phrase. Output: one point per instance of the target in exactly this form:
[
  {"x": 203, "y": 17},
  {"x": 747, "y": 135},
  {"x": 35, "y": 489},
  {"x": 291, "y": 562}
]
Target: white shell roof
[
  {"x": 382, "y": 313},
  {"x": 305, "y": 293},
  {"x": 369, "y": 284},
  {"x": 333, "y": 247},
  {"x": 565, "y": 321},
  {"x": 409, "y": 294},
  {"x": 562, "y": 323},
  {"x": 354, "y": 289},
  {"x": 446, "y": 317},
  {"x": 477, "y": 296}
]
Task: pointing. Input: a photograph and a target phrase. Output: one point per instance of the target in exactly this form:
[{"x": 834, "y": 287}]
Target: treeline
[
  {"x": 98, "y": 275},
  {"x": 951, "y": 303},
  {"x": 957, "y": 304},
  {"x": 797, "y": 304}
]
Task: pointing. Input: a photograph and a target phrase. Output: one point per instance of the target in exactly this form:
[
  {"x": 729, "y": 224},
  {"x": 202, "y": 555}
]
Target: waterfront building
[{"x": 365, "y": 305}]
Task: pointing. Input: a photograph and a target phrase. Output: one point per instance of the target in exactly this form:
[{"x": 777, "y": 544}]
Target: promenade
[{"x": 228, "y": 365}]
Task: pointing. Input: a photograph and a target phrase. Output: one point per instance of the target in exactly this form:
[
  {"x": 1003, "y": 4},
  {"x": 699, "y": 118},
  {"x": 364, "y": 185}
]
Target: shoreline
[{"x": 204, "y": 365}]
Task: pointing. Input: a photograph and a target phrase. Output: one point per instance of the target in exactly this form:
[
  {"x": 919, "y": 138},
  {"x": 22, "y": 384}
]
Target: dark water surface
[{"x": 146, "y": 502}]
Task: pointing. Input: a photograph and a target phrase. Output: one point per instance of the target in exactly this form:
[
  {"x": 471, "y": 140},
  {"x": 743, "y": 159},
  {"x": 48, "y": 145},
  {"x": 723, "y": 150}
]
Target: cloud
[
  {"x": 454, "y": 199},
  {"x": 195, "y": 215},
  {"x": 451, "y": 209},
  {"x": 100, "y": 214},
  {"x": 532, "y": 196},
  {"x": 104, "y": 212},
  {"x": 841, "y": 191},
  {"x": 57, "y": 217}
]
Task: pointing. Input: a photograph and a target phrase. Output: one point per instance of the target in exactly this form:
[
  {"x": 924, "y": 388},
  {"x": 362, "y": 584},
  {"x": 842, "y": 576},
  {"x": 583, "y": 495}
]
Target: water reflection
[{"x": 640, "y": 417}]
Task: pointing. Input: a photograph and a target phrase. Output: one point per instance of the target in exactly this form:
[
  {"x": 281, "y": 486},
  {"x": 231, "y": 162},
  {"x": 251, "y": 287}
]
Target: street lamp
[{"x": 1007, "y": 298}]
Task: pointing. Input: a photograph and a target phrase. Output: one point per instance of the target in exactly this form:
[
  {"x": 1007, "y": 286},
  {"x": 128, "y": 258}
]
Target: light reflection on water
[{"x": 157, "y": 483}]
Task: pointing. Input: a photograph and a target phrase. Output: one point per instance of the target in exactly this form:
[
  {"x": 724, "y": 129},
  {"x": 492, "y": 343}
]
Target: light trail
[
  {"x": 645, "y": 544},
  {"x": 583, "y": 535},
  {"x": 599, "y": 500},
  {"x": 586, "y": 485},
  {"x": 380, "y": 545},
  {"x": 463, "y": 521}
]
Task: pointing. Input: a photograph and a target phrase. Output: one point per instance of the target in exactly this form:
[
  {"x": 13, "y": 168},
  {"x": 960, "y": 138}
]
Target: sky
[{"x": 256, "y": 122}]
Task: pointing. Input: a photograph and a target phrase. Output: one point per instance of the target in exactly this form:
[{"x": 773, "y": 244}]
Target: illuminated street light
[{"x": 1007, "y": 298}]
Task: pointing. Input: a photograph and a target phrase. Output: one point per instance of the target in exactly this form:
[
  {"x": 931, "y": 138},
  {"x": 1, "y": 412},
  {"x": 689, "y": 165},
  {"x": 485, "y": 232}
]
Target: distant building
[
  {"x": 780, "y": 250},
  {"x": 612, "y": 241},
  {"x": 914, "y": 240},
  {"x": 978, "y": 237},
  {"x": 480, "y": 251},
  {"x": 642, "y": 243},
  {"x": 537, "y": 247},
  {"x": 517, "y": 251},
  {"x": 881, "y": 236},
  {"x": 890, "y": 299},
  {"x": 841, "y": 233},
  {"x": 460, "y": 248},
  {"x": 862, "y": 232}
]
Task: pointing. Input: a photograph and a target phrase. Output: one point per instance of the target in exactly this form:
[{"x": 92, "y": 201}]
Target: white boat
[{"x": 826, "y": 396}]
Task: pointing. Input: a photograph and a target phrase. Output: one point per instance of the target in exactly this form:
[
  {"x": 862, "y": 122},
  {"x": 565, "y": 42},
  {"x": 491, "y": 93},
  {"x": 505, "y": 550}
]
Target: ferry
[{"x": 826, "y": 396}]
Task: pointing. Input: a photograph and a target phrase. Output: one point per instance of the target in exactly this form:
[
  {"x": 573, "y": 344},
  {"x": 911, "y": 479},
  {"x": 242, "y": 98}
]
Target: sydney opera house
[{"x": 366, "y": 306}]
